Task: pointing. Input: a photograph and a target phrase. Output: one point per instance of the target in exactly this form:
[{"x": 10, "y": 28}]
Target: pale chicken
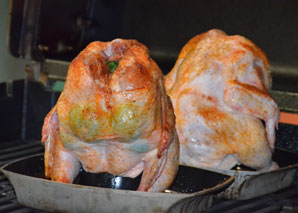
[
  {"x": 219, "y": 89},
  {"x": 116, "y": 120}
]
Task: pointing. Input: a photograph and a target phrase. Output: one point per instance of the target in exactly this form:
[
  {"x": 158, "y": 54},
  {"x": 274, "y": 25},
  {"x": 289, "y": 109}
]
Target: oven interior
[{"x": 52, "y": 33}]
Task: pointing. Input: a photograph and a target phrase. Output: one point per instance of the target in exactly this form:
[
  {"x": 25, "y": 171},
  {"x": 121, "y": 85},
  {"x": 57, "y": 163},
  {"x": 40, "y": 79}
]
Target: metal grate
[
  {"x": 8, "y": 152},
  {"x": 284, "y": 201}
]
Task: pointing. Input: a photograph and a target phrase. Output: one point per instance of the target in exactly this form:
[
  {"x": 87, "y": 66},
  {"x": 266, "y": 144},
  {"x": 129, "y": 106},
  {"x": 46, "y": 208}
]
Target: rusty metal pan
[
  {"x": 250, "y": 184},
  {"x": 192, "y": 189}
]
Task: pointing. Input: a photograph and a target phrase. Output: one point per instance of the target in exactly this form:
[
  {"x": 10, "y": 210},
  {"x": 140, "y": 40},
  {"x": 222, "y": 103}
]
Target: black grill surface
[{"x": 284, "y": 201}]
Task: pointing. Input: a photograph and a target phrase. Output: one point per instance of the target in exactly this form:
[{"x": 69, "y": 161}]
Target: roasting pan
[
  {"x": 250, "y": 184},
  {"x": 192, "y": 189}
]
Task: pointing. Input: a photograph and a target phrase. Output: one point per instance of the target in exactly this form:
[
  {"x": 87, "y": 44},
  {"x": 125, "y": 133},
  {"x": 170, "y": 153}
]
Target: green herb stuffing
[{"x": 112, "y": 65}]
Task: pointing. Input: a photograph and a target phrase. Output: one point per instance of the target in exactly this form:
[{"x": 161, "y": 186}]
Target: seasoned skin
[
  {"x": 121, "y": 122},
  {"x": 219, "y": 89}
]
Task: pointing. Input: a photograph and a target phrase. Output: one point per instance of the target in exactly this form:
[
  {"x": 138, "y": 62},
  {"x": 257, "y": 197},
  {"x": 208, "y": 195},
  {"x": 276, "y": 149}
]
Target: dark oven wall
[
  {"x": 63, "y": 28},
  {"x": 23, "y": 106}
]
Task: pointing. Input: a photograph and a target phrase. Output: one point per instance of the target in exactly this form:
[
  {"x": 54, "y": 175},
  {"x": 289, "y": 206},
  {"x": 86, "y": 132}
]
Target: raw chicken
[
  {"x": 120, "y": 121},
  {"x": 219, "y": 89}
]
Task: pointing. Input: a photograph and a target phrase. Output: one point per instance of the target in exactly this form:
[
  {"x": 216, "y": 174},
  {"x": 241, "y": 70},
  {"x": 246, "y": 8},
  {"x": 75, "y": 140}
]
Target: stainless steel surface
[{"x": 56, "y": 70}]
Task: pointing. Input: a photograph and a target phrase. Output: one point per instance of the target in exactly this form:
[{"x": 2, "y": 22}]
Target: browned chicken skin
[
  {"x": 219, "y": 89},
  {"x": 121, "y": 122}
]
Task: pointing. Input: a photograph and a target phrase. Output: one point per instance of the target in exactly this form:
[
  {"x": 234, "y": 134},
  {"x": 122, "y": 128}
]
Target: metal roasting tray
[
  {"x": 250, "y": 184},
  {"x": 193, "y": 189}
]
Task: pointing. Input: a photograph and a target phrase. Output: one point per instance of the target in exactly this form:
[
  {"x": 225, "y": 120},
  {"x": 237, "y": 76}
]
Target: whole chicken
[
  {"x": 117, "y": 120},
  {"x": 219, "y": 89}
]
